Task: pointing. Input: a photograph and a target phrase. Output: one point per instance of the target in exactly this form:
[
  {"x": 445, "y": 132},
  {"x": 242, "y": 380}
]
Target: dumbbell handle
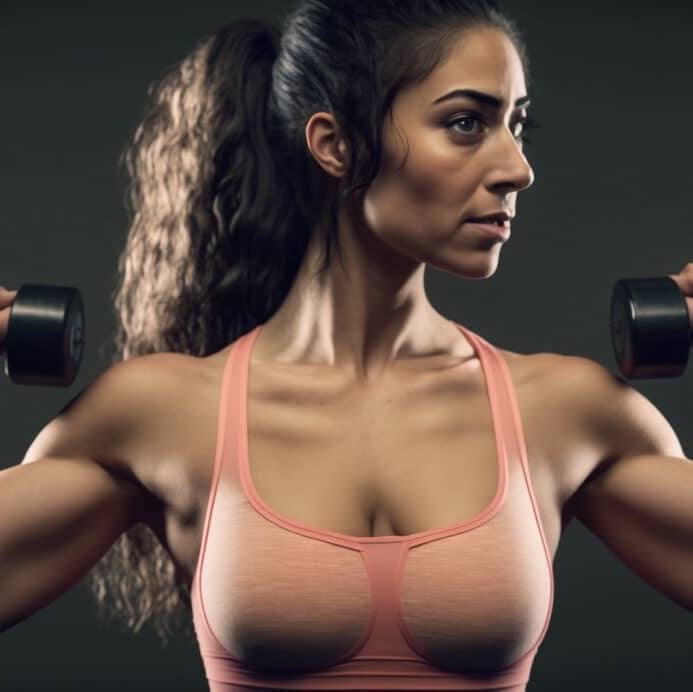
[{"x": 650, "y": 328}]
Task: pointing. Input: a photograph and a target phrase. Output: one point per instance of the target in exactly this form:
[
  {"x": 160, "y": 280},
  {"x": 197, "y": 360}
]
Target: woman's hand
[
  {"x": 684, "y": 280},
  {"x": 6, "y": 300}
]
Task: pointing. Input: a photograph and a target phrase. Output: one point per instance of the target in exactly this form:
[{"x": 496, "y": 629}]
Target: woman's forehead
[{"x": 482, "y": 59}]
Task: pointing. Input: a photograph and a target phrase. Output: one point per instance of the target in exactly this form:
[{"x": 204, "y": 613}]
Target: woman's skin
[
  {"x": 6, "y": 300},
  {"x": 366, "y": 322}
]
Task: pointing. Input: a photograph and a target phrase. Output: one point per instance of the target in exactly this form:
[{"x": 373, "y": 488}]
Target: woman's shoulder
[
  {"x": 553, "y": 364},
  {"x": 158, "y": 373},
  {"x": 568, "y": 385},
  {"x": 171, "y": 399},
  {"x": 560, "y": 368}
]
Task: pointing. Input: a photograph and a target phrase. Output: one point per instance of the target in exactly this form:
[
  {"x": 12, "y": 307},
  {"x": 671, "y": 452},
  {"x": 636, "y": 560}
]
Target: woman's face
[{"x": 465, "y": 159}]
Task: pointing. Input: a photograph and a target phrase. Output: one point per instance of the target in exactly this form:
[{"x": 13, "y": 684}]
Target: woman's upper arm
[
  {"x": 104, "y": 424},
  {"x": 75, "y": 491},
  {"x": 620, "y": 422},
  {"x": 639, "y": 499}
]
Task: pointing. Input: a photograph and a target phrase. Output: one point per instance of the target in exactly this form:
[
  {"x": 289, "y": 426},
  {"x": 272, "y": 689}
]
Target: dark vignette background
[{"x": 612, "y": 90}]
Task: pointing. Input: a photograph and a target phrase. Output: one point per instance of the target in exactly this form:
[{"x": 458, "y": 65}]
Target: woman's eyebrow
[{"x": 481, "y": 97}]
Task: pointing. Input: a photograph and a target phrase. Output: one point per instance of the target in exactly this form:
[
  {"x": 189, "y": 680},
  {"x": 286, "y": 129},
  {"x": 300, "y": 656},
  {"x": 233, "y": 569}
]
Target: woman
[{"x": 351, "y": 491}]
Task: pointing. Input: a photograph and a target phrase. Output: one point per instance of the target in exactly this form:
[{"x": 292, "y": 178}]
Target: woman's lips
[{"x": 491, "y": 229}]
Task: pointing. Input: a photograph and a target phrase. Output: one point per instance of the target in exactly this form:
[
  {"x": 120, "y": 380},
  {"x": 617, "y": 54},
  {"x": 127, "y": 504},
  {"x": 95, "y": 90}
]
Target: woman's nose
[{"x": 511, "y": 170}]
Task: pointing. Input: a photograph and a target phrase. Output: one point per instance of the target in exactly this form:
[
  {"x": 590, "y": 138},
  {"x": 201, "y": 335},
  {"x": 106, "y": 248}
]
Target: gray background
[{"x": 612, "y": 91}]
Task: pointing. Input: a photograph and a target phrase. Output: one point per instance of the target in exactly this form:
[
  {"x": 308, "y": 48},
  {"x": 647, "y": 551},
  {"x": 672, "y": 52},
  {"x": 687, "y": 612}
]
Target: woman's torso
[{"x": 413, "y": 453}]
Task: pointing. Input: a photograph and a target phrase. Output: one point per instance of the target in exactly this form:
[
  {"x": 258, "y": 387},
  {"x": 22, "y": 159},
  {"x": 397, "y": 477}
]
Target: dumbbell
[
  {"x": 45, "y": 336},
  {"x": 650, "y": 328}
]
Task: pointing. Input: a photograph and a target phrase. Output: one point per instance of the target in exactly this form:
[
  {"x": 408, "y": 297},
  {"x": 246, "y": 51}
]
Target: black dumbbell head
[
  {"x": 45, "y": 336},
  {"x": 650, "y": 328}
]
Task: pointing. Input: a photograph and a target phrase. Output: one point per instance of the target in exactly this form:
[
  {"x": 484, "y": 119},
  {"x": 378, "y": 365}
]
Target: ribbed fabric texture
[{"x": 278, "y": 605}]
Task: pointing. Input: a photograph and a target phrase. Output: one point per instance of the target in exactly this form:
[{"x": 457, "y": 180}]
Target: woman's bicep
[
  {"x": 75, "y": 491},
  {"x": 57, "y": 518}
]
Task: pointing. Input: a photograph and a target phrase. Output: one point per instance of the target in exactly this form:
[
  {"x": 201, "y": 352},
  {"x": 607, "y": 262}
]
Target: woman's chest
[{"x": 413, "y": 455}]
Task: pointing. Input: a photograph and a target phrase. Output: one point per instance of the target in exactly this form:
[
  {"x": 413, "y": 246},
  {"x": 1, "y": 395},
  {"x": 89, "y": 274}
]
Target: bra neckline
[{"x": 492, "y": 375}]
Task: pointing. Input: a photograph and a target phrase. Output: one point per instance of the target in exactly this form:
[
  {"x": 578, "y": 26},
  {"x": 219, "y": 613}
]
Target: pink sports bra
[{"x": 278, "y": 605}]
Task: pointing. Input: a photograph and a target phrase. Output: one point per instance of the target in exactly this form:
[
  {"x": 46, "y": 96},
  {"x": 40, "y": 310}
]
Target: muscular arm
[
  {"x": 71, "y": 497},
  {"x": 57, "y": 518},
  {"x": 639, "y": 499}
]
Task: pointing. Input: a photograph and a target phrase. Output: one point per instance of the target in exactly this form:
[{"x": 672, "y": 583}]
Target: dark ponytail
[{"x": 224, "y": 197}]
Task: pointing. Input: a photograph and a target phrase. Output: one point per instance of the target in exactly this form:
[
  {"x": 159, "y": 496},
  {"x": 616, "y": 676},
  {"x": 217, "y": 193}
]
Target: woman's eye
[
  {"x": 467, "y": 120},
  {"x": 466, "y": 125}
]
